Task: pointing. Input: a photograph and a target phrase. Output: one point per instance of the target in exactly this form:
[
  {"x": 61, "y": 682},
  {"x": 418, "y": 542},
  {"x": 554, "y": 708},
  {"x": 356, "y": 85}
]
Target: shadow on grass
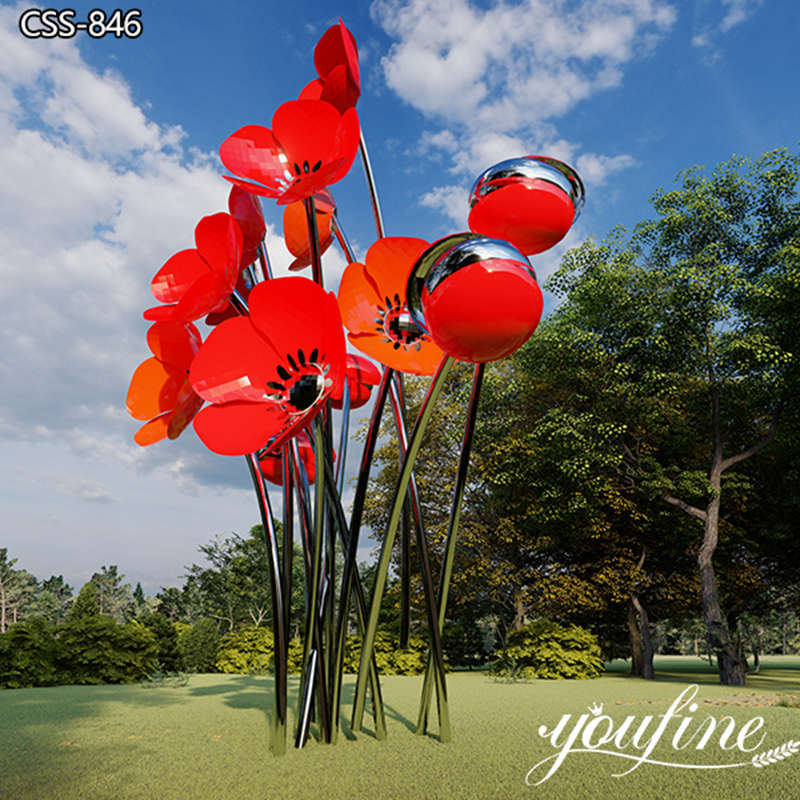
[
  {"x": 38, "y": 725},
  {"x": 777, "y": 673},
  {"x": 256, "y": 692}
]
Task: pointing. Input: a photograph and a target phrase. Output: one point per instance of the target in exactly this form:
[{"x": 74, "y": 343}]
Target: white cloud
[
  {"x": 737, "y": 11},
  {"x": 714, "y": 20},
  {"x": 450, "y": 201},
  {"x": 95, "y": 198},
  {"x": 496, "y": 80}
]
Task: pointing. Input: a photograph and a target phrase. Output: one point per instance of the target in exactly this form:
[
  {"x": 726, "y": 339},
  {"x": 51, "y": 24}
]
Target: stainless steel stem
[
  {"x": 452, "y": 532},
  {"x": 388, "y": 540}
]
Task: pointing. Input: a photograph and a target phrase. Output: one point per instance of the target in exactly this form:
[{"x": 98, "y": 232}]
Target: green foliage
[
  {"x": 197, "y": 646},
  {"x": 167, "y": 638},
  {"x": 247, "y": 650},
  {"x": 544, "y": 649},
  {"x": 28, "y": 655},
  {"x": 95, "y": 649},
  {"x": 389, "y": 658},
  {"x": 87, "y": 604}
]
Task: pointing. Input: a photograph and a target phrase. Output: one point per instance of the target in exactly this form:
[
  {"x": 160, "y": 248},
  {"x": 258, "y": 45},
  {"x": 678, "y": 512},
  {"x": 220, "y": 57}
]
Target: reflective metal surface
[
  {"x": 530, "y": 168},
  {"x": 446, "y": 257}
]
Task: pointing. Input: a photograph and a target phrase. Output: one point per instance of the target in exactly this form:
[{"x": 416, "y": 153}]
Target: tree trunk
[
  {"x": 647, "y": 641},
  {"x": 636, "y": 641},
  {"x": 732, "y": 668},
  {"x": 519, "y": 611}
]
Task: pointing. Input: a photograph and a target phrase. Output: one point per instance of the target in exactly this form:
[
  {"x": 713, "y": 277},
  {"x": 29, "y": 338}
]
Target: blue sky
[{"x": 108, "y": 157}]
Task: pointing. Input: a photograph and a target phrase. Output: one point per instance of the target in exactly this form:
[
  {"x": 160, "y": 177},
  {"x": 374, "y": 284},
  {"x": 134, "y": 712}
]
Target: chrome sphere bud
[
  {"x": 529, "y": 201},
  {"x": 476, "y": 297}
]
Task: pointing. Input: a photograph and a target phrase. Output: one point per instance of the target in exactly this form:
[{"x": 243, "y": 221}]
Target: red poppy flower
[
  {"x": 269, "y": 373},
  {"x": 336, "y": 62},
  {"x": 271, "y": 463},
  {"x": 160, "y": 390},
  {"x": 361, "y": 376},
  {"x": 295, "y": 228},
  {"x": 374, "y": 310},
  {"x": 246, "y": 210},
  {"x": 199, "y": 280},
  {"x": 310, "y": 146}
]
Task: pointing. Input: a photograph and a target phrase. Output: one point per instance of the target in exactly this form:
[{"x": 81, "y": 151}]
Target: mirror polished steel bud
[
  {"x": 476, "y": 297},
  {"x": 530, "y": 201}
]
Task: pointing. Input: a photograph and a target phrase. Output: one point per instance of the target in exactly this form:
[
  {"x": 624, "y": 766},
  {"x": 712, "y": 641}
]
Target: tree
[
  {"x": 87, "y": 604},
  {"x": 114, "y": 597},
  {"x": 53, "y": 599},
  {"x": 16, "y": 591},
  {"x": 696, "y": 314}
]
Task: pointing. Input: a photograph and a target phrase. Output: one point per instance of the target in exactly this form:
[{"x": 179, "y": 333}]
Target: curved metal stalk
[
  {"x": 452, "y": 534},
  {"x": 263, "y": 262},
  {"x": 434, "y": 622},
  {"x": 279, "y": 718},
  {"x": 313, "y": 642},
  {"x": 361, "y": 613},
  {"x": 313, "y": 239},
  {"x": 343, "y": 438},
  {"x": 341, "y": 237},
  {"x": 388, "y": 539},
  {"x": 288, "y": 541},
  {"x": 355, "y": 528},
  {"x": 373, "y": 191}
]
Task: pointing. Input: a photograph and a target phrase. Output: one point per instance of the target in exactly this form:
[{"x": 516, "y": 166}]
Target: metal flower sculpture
[
  {"x": 160, "y": 390},
  {"x": 202, "y": 279},
  {"x": 295, "y": 230},
  {"x": 310, "y": 146},
  {"x": 372, "y": 299},
  {"x": 276, "y": 376},
  {"x": 268, "y": 374}
]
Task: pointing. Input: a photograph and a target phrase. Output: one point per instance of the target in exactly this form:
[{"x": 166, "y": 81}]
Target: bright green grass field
[{"x": 208, "y": 740}]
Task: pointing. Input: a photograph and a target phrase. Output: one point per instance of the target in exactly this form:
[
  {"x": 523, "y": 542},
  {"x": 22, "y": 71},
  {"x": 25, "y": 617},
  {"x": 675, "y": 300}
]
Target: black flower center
[
  {"x": 304, "y": 392},
  {"x": 303, "y": 381},
  {"x": 395, "y": 323}
]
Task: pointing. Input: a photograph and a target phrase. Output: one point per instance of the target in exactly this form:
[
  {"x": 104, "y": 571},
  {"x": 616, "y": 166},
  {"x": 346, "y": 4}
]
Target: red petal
[
  {"x": 295, "y": 231},
  {"x": 159, "y": 313},
  {"x": 418, "y": 362},
  {"x": 233, "y": 363},
  {"x": 337, "y": 47},
  {"x": 307, "y": 132},
  {"x": 348, "y": 137},
  {"x": 154, "y": 431},
  {"x": 153, "y": 389},
  {"x": 339, "y": 90},
  {"x": 180, "y": 271},
  {"x": 238, "y": 428},
  {"x": 295, "y": 314},
  {"x": 254, "y": 188},
  {"x": 361, "y": 370},
  {"x": 219, "y": 241},
  {"x": 246, "y": 210},
  {"x": 203, "y": 296},
  {"x": 389, "y": 262},
  {"x": 174, "y": 343},
  {"x": 253, "y": 152},
  {"x": 358, "y": 299},
  {"x": 314, "y": 182},
  {"x": 187, "y": 406},
  {"x": 311, "y": 91}
]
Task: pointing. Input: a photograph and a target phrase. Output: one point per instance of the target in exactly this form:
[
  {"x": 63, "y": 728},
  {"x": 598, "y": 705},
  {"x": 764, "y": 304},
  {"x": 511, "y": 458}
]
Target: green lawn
[{"x": 209, "y": 740}]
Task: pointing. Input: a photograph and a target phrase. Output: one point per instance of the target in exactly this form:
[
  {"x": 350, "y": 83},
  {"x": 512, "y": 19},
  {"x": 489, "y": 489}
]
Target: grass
[{"x": 208, "y": 740}]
